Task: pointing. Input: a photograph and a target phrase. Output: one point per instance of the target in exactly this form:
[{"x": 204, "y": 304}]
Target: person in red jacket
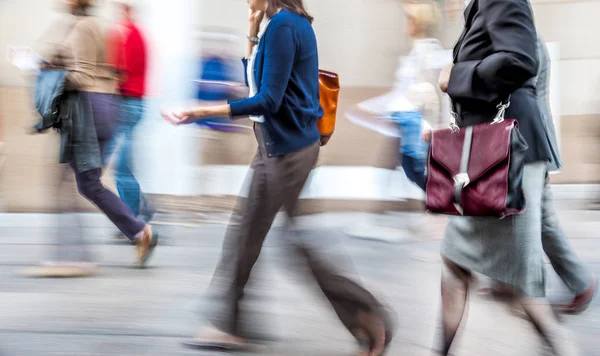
[{"x": 128, "y": 54}]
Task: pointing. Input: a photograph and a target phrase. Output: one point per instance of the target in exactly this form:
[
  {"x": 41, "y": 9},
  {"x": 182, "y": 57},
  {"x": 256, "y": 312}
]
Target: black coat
[{"x": 496, "y": 57}]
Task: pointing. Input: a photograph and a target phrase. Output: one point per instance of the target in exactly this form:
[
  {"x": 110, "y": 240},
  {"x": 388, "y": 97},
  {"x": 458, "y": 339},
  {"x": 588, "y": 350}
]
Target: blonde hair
[
  {"x": 426, "y": 16},
  {"x": 84, "y": 4}
]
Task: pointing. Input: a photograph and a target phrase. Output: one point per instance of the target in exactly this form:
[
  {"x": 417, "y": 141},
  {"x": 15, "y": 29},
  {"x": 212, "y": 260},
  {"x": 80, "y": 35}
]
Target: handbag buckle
[
  {"x": 501, "y": 112},
  {"x": 453, "y": 118},
  {"x": 462, "y": 179},
  {"x": 454, "y": 127}
]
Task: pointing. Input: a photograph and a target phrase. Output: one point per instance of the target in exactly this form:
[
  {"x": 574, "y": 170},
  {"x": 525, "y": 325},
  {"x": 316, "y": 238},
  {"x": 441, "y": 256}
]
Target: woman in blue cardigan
[{"x": 282, "y": 74}]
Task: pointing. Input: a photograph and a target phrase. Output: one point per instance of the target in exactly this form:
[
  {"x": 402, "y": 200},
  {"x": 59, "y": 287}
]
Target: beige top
[{"x": 83, "y": 52}]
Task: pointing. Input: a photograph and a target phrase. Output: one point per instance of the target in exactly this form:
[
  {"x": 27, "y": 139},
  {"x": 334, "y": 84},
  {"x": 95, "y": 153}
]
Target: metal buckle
[
  {"x": 453, "y": 126},
  {"x": 462, "y": 179},
  {"x": 501, "y": 112}
]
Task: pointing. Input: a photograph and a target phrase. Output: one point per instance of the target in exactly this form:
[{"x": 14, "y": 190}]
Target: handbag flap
[{"x": 490, "y": 146}]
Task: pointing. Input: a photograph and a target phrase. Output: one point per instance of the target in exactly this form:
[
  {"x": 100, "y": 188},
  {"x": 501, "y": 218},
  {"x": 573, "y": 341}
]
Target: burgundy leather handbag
[{"x": 477, "y": 170}]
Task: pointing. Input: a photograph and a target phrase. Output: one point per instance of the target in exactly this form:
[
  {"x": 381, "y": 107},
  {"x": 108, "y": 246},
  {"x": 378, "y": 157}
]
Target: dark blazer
[
  {"x": 286, "y": 70},
  {"x": 496, "y": 57}
]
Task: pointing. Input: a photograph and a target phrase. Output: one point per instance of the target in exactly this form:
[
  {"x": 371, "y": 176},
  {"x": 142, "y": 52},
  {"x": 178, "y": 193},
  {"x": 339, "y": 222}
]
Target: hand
[
  {"x": 444, "y": 78},
  {"x": 426, "y": 134},
  {"x": 196, "y": 114},
  {"x": 255, "y": 18},
  {"x": 184, "y": 117}
]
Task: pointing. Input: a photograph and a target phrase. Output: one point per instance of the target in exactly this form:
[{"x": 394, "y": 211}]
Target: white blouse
[
  {"x": 250, "y": 71},
  {"x": 424, "y": 61}
]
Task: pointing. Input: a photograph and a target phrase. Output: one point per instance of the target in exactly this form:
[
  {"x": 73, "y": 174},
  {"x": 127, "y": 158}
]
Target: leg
[
  {"x": 455, "y": 285},
  {"x": 414, "y": 168},
  {"x": 359, "y": 310},
  {"x": 66, "y": 199},
  {"x": 542, "y": 317},
  {"x": 105, "y": 109},
  {"x": 70, "y": 222},
  {"x": 565, "y": 262},
  {"x": 127, "y": 186},
  {"x": 242, "y": 246},
  {"x": 91, "y": 188}
]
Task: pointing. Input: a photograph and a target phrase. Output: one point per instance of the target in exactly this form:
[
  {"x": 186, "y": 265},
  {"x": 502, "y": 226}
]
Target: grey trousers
[
  {"x": 576, "y": 276},
  {"x": 277, "y": 182}
]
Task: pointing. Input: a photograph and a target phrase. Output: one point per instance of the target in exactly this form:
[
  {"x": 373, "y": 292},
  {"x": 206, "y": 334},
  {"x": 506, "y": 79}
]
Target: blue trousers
[
  {"x": 414, "y": 168},
  {"x": 413, "y": 150},
  {"x": 131, "y": 112}
]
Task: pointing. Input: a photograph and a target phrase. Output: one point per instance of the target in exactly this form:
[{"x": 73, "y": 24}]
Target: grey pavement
[{"x": 129, "y": 311}]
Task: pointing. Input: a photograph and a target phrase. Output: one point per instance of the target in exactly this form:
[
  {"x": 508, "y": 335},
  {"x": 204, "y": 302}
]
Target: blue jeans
[
  {"x": 414, "y": 168},
  {"x": 131, "y": 112},
  {"x": 413, "y": 149}
]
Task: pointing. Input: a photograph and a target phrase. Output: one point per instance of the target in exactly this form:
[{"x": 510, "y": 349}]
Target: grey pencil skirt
[{"x": 507, "y": 250}]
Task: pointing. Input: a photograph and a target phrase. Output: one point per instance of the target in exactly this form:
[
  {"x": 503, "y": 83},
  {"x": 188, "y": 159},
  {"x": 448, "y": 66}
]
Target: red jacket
[{"x": 127, "y": 53}]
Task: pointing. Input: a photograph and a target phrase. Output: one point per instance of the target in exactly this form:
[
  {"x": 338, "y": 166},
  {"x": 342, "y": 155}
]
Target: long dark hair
[{"x": 296, "y": 6}]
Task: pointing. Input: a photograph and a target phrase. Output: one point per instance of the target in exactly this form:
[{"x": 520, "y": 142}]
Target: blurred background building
[{"x": 360, "y": 40}]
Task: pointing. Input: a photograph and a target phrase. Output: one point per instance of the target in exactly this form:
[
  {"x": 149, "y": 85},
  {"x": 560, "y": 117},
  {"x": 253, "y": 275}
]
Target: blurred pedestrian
[
  {"x": 410, "y": 109},
  {"x": 414, "y": 103},
  {"x": 282, "y": 73},
  {"x": 495, "y": 60},
  {"x": 417, "y": 73},
  {"x": 91, "y": 81},
  {"x": 569, "y": 267},
  {"x": 129, "y": 55}
]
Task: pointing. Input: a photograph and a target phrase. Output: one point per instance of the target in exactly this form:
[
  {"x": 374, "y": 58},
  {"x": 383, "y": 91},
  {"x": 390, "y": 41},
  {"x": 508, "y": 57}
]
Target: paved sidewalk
[{"x": 127, "y": 311}]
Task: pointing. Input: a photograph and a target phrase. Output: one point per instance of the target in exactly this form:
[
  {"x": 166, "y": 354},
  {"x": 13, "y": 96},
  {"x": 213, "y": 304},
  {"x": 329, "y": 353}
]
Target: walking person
[
  {"x": 495, "y": 59},
  {"x": 414, "y": 103},
  {"x": 282, "y": 73},
  {"x": 576, "y": 276},
  {"x": 129, "y": 55},
  {"x": 565, "y": 262},
  {"x": 92, "y": 82}
]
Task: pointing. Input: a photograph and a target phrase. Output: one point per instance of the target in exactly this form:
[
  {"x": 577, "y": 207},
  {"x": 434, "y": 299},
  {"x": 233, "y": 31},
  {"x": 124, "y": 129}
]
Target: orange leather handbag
[{"x": 329, "y": 89}]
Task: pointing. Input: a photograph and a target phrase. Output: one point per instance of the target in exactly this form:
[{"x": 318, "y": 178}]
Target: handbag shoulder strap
[{"x": 461, "y": 180}]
